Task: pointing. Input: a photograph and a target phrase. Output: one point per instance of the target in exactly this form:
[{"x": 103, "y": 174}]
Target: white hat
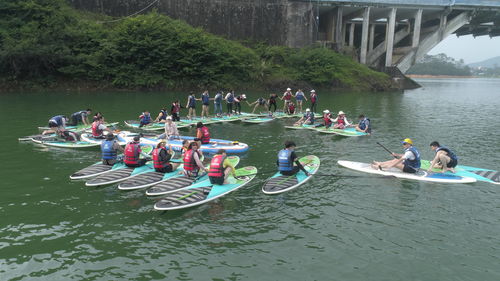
[
  {"x": 341, "y": 112},
  {"x": 169, "y": 117},
  {"x": 326, "y": 111},
  {"x": 288, "y": 89},
  {"x": 307, "y": 109},
  {"x": 313, "y": 91},
  {"x": 244, "y": 96}
]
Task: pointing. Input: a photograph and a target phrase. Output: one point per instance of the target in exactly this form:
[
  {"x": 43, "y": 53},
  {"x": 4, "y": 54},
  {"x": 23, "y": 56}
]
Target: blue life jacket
[
  {"x": 415, "y": 163},
  {"x": 218, "y": 98},
  {"x": 261, "y": 101},
  {"x": 310, "y": 115},
  {"x": 146, "y": 118},
  {"x": 163, "y": 115},
  {"x": 230, "y": 99},
  {"x": 108, "y": 153},
  {"x": 205, "y": 98},
  {"x": 192, "y": 101},
  {"x": 285, "y": 164},
  {"x": 78, "y": 114},
  {"x": 450, "y": 153},
  {"x": 58, "y": 119},
  {"x": 362, "y": 124}
]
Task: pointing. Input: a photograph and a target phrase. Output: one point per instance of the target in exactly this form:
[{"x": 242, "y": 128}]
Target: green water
[{"x": 332, "y": 228}]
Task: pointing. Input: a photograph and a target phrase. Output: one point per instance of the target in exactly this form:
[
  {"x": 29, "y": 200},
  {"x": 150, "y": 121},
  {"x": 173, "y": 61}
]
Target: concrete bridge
[{"x": 389, "y": 35}]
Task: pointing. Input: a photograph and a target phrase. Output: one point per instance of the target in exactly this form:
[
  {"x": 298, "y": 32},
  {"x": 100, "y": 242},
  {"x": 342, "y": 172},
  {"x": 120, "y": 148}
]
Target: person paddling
[
  {"x": 220, "y": 168},
  {"x": 109, "y": 150},
  {"x": 445, "y": 159},
  {"x": 161, "y": 159},
  {"x": 408, "y": 162},
  {"x": 364, "y": 125},
  {"x": 192, "y": 162},
  {"x": 286, "y": 160},
  {"x": 132, "y": 153}
]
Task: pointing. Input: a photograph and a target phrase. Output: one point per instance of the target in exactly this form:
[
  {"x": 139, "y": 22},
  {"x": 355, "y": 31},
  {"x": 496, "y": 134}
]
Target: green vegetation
[
  {"x": 440, "y": 64},
  {"x": 46, "y": 43}
]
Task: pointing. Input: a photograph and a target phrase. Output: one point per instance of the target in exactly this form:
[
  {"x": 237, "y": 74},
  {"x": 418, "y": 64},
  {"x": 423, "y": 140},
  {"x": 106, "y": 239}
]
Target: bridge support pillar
[
  {"x": 391, "y": 27},
  {"x": 416, "y": 29},
  {"x": 338, "y": 39},
  {"x": 351, "y": 34},
  {"x": 364, "y": 35},
  {"x": 372, "y": 37}
]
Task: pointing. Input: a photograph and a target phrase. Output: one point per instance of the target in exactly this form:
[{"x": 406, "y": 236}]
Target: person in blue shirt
[
  {"x": 218, "y": 104},
  {"x": 300, "y": 97},
  {"x": 408, "y": 162}
]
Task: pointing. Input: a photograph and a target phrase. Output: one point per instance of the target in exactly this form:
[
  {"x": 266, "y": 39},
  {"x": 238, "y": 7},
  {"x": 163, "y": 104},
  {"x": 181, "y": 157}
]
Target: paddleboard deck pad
[
  {"x": 421, "y": 175},
  {"x": 94, "y": 170},
  {"x": 203, "y": 192},
  {"x": 280, "y": 183},
  {"x": 171, "y": 185},
  {"x": 479, "y": 174}
]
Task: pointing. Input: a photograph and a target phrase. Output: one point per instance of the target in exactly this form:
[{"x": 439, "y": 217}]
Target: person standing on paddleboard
[
  {"x": 408, "y": 162},
  {"x": 205, "y": 104},
  {"x": 109, "y": 150},
  {"x": 364, "y": 124},
  {"x": 300, "y": 97},
  {"x": 191, "y": 106},
  {"x": 272, "y": 102},
  {"x": 260, "y": 102},
  {"x": 286, "y": 158},
  {"x": 132, "y": 153},
  {"x": 218, "y": 104},
  {"x": 445, "y": 159},
  {"x": 220, "y": 167},
  {"x": 230, "y": 101},
  {"x": 287, "y": 97},
  {"x": 313, "y": 97},
  {"x": 175, "y": 110}
]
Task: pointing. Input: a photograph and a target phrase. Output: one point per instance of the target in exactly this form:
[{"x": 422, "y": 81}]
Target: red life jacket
[
  {"x": 288, "y": 96},
  {"x": 341, "y": 121},
  {"x": 205, "y": 135},
  {"x": 175, "y": 108},
  {"x": 313, "y": 98},
  {"x": 190, "y": 162},
  {"x": 291, "y": 108},
  {"x": 327, "y": 119},
  {"x": 131, "y": 153},
  {"x": 157, "y": 163},
  {"x": 96, "y": 132},
  {"x": 217, "y": 167}
]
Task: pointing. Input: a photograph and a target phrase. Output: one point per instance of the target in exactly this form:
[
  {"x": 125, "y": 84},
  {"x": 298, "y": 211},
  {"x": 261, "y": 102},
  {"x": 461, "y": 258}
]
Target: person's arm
[
  {"x": 305, "y": 98},
  {"x": 226, "y": 164},
  {"x": 118, "y": 147},
  {"x": 165, "y": 156},
  {"x": 347, "y": 124},
  {"x": 187, "y": 103},
  {"x": 142, "y": 153},
  {"x": 198, "y": 162},
  {"x": 84, "y": 119},
  {"x": 433, "y": 162},
  {"x": 296, "y": 160},
  {"x": 198, "y": 134}
]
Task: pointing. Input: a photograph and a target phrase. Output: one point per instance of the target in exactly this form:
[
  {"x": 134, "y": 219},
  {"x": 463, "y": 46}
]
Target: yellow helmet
[{"x": 407, "y": 140}]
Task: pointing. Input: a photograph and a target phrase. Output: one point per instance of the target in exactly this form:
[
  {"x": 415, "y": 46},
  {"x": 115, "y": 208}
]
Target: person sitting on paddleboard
[
  {"x": 145, "y": 118},
  {"x": 56, "y": 123},
  {"x": 300, "y": 97},
  {"x": 97, "y": 115},
  {"x": 286, "y": 158},
  {"x": 132, "y": 153},
  {"x": 80, "y": 117},
  {"x": 341, "y": 121},
  {"x": 202, "y": 134},
  {"x": 260, "y": 102},
  {"x": 109, "y": 150},
  {"x": 327, "y": 118},
  {"x": 162, "y": 115},
  {"x": 307, "y": 119},
  {"x": 171, "y": 131},
  {"x": 185, "y": 147},
  {"x": 364, "y": 124},
  {"x": 408, "y": 162},
  {"x": 445, "y": 159},
  {"x": 161, "y": 159},
  {"x": 98, "y": 128},
  {"x": 192, "y": 162},
  {"x": 175, "y": 111},
  {"x": 220, "y": 167}
]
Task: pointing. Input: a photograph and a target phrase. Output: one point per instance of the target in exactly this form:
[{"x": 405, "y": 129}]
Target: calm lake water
[{"x": 332, "y": 228}]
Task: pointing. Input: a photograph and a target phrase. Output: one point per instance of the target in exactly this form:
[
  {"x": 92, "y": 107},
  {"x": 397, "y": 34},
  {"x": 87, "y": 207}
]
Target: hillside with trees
[{"x": 440, "y": 64}]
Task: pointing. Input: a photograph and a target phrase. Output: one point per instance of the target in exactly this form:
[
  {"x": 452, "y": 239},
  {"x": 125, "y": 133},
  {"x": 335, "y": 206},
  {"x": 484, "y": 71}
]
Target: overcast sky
[{"x": 469, "y": 48}]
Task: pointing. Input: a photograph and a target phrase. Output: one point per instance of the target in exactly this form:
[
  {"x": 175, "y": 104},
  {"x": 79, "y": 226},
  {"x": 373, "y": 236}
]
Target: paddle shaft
[{"x": 385, "y": 148}]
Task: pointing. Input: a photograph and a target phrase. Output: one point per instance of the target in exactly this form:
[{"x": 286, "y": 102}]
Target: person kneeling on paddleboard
[
  {"x": 408, "y": 162},
  {"x": 109, "y": 150},
  {"x": 445, "y": 159},
  {"x": 161, "y": 159},
  {"x": 192, "y": 162},
  {"x": 202, "y": 134},
  {"x": 220, "y": 167},
  {"x": 286, "y": 158},
  {"x": 132, "y": 152}
]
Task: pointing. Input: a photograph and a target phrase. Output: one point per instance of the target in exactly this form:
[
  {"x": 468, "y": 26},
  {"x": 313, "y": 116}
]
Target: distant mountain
[{"x": 490, "y": 63}]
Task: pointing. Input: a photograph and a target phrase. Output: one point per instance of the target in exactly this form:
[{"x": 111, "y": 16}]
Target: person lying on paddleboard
[
  {"x": 341, "y": 121},
  {"x": 171, "y": 131},
  {"x": 98, "y": 128},
  {"x": 80, "y": 117},
  {"x": 307, "y": 119},
  {"x": 132, "y": 153},
  {"x": 445, "y": 159},
  {"x": 260, "y": 102},
  {"x": 220, "y": 168},
  {"x": 145, "y": 118},
  {"x": 109, "y": 150},
  {"x": 286, "y": 158},
  {"x": 364, "y": 124},
  {"x": 192, "y": 162},
  {"x": 68, "y": 135},
  {"x": 56, "y": 123},
  {"x": 408, "y": 162},
  {"x": 161, "y": 158},
  {"x": 202, "y": 134}
]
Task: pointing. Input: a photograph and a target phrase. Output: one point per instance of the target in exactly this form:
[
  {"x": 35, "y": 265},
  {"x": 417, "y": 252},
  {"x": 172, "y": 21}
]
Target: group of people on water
[{"x": 57, "y": 124}]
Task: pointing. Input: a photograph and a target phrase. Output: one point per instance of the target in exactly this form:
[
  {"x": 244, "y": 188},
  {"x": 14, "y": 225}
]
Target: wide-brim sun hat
[
  {"x": 169, "y": 117},
  {"x": 288, "y": 89},
  {"x": 326, "y": 111},
  {"x": 313, "y": 91},
  {"x": 407, "y": 140},
  {"x": 341, "y": 112}
]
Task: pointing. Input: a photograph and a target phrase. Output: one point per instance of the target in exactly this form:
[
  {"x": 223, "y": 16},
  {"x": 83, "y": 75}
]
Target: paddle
[
  {"x": 349, "y": 176},
  {"x": 385, "y": 148}
]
